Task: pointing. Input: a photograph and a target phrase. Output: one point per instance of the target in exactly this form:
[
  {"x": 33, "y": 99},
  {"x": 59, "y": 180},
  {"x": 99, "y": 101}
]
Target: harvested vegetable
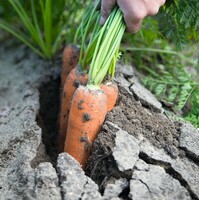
[
  {"x": 89, "y": 104},
  {"x": 69, "y": 61},
  {"x": 111, "y": 91},
  {"x": 75, "y": 78},
  {"x": 87, "y": 114}
]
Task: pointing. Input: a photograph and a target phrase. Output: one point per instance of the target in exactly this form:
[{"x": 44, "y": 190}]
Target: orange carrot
[
  {"x": 75, "y": 78},
  {"x": 111, "y": 90},
  {"x": 87, "y": 114},
  {"x": 69, "y": 61}
]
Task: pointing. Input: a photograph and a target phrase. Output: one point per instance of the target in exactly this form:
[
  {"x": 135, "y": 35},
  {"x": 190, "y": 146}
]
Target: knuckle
[
  {"x": 163, "y": 2},
  {"x": 153, "y": 11},
  {"x": 134, "y": 27},
  {"x": 106, "y": 6},
  {"x": 104, "y": 11},
  {"x": 139, "y": 15},
  {"x": 136, "y": 16}
]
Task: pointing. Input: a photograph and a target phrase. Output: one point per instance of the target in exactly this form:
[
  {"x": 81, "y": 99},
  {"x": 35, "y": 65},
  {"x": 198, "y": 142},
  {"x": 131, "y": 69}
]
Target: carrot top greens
[
  {"x": 107, "y": 48},
  {"x": 89, "y": 26},
  {"x": 100, "y": 44}
]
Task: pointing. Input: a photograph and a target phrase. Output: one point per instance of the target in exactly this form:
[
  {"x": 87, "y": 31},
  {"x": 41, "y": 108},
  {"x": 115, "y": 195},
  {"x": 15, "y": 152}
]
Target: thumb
[{"x": 106, "y": 8}]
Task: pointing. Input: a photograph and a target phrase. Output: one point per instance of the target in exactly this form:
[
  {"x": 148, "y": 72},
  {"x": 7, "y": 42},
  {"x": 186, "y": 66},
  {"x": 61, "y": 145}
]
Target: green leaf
[{"x": 185, "y": 93}]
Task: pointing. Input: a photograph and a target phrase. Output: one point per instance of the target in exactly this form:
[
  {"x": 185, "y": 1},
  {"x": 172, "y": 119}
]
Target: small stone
[
  {"x": 74, "y": 183},
  {"x": 189, "y": 139},
  {"x": 156, "y": 184},
  {"x": 141, "y": 165},
  {"x": 126, "y": 150},
  {"x": 146, "y": 97},
  {"x": 127, "y": 70},
  {"x": 172, "y": 151},
  {"x": 115, "y": 187}
]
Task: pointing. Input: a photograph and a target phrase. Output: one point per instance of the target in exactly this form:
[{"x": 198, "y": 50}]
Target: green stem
[
  {"x": 107, "y": 48},
  {"x": 21, "y": 37},
  {"x": 157, "y": 51}
]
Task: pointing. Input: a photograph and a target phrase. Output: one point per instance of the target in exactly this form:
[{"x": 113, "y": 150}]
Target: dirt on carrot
[
  {"x": 75, "y": 78},
  {"x": 87, "y": 114}
]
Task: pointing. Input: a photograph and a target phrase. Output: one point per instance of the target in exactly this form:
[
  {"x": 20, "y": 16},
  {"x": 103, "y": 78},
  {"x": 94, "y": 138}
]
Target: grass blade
[
  {"x": 21, "y": 37},
  {"x": 47, "y": 17},
  {"x": 36, "y": 24}
]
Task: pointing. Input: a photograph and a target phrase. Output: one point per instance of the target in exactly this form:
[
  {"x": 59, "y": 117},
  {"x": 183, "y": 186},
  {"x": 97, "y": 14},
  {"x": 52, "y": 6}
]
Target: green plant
[
  {"x": 99, "y": 44},
  {"x": 107, "y": 48},
  {"x": 166, "y": 73},
  {"x": 45, "y": 24},
  {"x": 179, "y": 21},
  {"x": 175, "y": 87},
  {"x": 155, "y": 52},
  {"x": 193, "y": 115},
  {"x": 88, "y": 31}
]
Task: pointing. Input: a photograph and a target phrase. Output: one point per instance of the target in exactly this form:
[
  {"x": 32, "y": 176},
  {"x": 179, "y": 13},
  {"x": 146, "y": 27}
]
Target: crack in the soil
[
  {"x": 48, "y": 114},
  {"x": 59, "y": 185},
  {"x": 145, "y": 185},
  {"x": 59, "y": 182},
  {"x": 47, "y": 120},
  {"x": 190, "y": 155},
  {"x": 169, "y": 170},
  {"x": 84, "y": 188},
  {"x": 125, "y": 192}
]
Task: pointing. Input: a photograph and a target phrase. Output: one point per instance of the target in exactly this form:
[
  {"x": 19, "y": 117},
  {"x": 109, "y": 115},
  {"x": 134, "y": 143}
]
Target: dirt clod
[
  {"x": 86, "y": 117},
  {"x": 76, "y": 83},
  {"x": 83, "y": 139},
  {"x": 80, "y": 106},
  {"x": 137, "y": 120}
]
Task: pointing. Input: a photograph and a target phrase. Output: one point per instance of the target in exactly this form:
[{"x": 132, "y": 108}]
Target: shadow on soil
[{"x": 48, "y": 114}]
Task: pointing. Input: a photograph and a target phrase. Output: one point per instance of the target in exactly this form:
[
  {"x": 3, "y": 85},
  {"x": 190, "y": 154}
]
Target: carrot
[
  {"x": 89, "y": 104},
  {"x": 69, "y": 61},
  {"x": 75, "y": 78},
  {"x": 87, "y": 114},
  {"x": 111, "y": 90}
]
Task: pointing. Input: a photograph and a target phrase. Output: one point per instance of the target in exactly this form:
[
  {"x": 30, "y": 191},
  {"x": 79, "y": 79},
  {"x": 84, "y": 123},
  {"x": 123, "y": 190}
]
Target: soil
[
  {"x": 48, "y": 115},
  {"x": 131, "y": 116},
  {"x": 140, "y": 153}
]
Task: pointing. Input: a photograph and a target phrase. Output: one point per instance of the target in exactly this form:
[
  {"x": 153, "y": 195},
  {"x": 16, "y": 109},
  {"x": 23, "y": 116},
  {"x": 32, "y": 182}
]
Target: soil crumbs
[{"x": 131, "y": 116}]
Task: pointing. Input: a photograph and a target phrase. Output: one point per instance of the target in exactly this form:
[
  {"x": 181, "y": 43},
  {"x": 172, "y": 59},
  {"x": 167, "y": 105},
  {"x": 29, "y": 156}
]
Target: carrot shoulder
[
  {"x": 75, "y": 78},
  {"x": 69, "y": 61},
  {"x": 87, "y": 114},
  {"x": 111, "y": 90}
]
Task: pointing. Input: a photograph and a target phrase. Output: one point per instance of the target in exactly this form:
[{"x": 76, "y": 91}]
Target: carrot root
[
  {"x": 69, "y": 61},
  {"x": 111, "y": 90},
  {"x": 73, "y": 81},
  {"x": 85, "y": 122}
]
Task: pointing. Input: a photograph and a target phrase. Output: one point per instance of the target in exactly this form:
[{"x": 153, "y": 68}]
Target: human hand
[{"x": 134, "y": 11}]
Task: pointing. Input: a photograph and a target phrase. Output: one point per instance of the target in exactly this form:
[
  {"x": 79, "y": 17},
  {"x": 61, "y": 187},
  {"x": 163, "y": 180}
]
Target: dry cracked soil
[{"x": 139, "y": 154}]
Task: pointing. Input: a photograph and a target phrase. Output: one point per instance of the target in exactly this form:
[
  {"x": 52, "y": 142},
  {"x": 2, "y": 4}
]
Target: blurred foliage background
[
  {"x": 164, "y": 51},
  {"x": 43, "y": 25}
]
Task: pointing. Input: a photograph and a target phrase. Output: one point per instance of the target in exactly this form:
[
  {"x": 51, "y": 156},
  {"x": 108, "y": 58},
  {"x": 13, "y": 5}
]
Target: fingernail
[{"x": 102, "y": 20}]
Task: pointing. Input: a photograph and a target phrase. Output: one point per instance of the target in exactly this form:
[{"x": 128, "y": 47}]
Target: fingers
[
  {"x": 134, "y": 11},
  {"x": 154, "y": 7},
  {"x": 132, "y": 27},
  {"x": 106, "y": 8}
]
